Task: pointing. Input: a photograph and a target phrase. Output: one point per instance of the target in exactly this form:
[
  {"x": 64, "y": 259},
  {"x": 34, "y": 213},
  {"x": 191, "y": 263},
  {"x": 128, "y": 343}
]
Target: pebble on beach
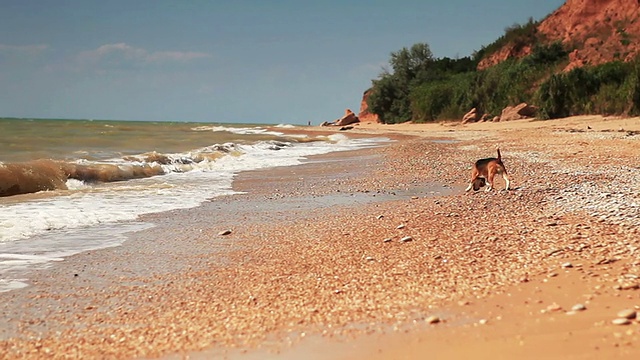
[
  {"x": 433, "y": 319},
  {"x": 554, "y": 307},
  {"x": 621, "y": 321},
  {"x": 578, "y": 307},
  {"x": 627, "y": 314}
]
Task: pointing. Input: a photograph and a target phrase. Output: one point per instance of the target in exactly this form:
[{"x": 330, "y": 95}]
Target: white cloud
[
  {"x": 120, "y": 47},
  {"x": 122, "y": 52}
]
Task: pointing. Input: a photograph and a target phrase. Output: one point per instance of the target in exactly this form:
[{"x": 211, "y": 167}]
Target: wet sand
[{"x": 371, "y": 254}]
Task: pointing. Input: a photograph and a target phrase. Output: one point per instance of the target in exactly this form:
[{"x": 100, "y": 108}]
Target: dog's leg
[
  {"x": 474, "y": 175},
  {"x": 506, "y": 180},
  {"x": 490, "y": 176}
]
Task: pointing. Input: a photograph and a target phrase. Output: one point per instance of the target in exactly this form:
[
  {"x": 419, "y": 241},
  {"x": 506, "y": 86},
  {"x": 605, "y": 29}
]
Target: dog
[{"x": 484, "y": 170}]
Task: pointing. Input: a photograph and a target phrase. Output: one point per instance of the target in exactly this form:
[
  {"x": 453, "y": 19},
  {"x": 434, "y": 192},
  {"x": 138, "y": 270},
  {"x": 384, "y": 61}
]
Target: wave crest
[{"x": 31, "y": 176}]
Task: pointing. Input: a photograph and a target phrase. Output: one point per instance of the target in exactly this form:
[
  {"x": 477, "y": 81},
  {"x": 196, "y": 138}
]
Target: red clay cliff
[{"x": 598, "y": 31}]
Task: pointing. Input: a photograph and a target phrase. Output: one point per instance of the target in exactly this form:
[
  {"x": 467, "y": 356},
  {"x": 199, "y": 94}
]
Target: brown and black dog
[{"x": 484, "y": 170}]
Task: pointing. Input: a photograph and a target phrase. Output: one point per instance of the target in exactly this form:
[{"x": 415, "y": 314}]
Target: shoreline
[{"x": 307, "y": 256}]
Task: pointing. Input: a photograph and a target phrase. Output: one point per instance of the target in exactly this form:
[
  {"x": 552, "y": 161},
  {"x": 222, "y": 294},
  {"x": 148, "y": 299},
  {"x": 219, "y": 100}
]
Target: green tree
[
  {"x": 408, "y": 63},
  {"x": 422, "y": 88},
  {"x": 390, "y": 93},
  {"x": 388, "y": 101}
]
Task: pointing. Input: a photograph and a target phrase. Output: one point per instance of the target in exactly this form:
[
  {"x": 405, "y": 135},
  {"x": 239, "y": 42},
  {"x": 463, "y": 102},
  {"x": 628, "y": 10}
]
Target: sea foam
[{"x": 34, "y": 232}]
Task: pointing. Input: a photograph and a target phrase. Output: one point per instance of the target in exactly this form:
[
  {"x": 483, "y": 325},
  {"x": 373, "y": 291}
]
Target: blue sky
[{"x": 260, "y": 61}]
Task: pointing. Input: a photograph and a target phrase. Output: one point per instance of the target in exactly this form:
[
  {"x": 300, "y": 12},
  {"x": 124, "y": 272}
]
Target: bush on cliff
[
  {"x": 516, "y": 34},
  {"x": 448, "y": 88},
  {"x": 610, "y": 88},
  {"x": 425, "y": 89},
  {"x": 445, "y": 98},
  {"x": 391, "y": 94}
]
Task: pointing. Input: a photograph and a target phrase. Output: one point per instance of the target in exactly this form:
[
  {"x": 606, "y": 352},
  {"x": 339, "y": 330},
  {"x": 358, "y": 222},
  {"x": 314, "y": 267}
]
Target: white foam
[
  {"x": 12, "y": 284},
  {"x": 188, "y": 186},
  {"x": 40, "y": 251},
  {"x": 73, "y": 184},
  {"x": 12, "y": 261},
  {"x": 238, "y": 130},
  {"x": 37, "y": 232}
]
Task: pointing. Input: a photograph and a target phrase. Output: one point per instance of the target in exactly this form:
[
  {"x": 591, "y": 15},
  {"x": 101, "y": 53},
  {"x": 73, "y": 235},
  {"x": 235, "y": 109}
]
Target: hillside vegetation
[{"x": 422, "y": 88}]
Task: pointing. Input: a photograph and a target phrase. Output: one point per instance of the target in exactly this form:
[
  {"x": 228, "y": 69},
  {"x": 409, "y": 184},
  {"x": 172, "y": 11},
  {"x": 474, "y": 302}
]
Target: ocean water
[{"x": 68, "y": 186}]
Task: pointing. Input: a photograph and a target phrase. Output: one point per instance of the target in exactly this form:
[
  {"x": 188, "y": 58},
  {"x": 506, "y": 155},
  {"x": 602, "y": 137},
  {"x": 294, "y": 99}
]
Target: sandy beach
[{"x": 372, "y": 254}]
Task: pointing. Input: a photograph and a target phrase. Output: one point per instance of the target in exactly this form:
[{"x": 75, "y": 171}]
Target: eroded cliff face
[
  {"x": 507, "y": 52},
  {"x": 598, "y": 31},
  {"x": 364, "y": 115}
]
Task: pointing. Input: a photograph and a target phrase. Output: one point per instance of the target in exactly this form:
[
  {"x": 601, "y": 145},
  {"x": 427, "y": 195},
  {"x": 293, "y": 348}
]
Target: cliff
[
  {"x": 364, "y": 115},
  {"x": 596, "y": 31},
  {"x": 592, "y": 31}
]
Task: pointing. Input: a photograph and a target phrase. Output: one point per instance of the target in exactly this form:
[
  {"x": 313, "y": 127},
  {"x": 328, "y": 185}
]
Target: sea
[{"x": 68, "y": 186}]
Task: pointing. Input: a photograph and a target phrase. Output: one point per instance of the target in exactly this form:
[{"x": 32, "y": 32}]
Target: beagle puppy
[{"x": 484, "y": 170}]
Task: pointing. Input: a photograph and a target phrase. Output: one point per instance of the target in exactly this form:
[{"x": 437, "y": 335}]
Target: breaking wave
[{"x": 47, "y": 175}]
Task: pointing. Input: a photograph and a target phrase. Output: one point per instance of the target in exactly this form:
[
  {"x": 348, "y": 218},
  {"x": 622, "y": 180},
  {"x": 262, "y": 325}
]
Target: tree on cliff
[
  {"x": 389, "y": 97},
  {"x": 536, "y": 71},
  {"x": 400, "y": 95}
]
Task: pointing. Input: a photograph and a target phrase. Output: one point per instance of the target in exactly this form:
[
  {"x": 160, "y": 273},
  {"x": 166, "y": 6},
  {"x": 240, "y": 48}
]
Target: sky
[{"x": 242, "y": 61}]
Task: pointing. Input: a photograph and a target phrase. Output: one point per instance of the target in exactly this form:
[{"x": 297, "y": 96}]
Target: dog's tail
[{"x": 499, "y": 158}]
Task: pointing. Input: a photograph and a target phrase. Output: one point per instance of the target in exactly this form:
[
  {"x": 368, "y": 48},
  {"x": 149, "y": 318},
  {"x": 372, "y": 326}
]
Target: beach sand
[{"x": 372, "y": 254}]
